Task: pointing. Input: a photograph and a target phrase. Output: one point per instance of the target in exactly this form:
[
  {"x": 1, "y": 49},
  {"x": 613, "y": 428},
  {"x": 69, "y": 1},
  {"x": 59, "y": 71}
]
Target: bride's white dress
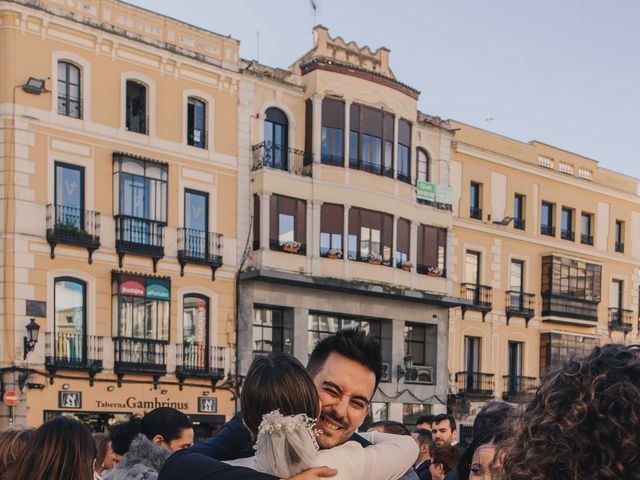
[{"x": 388, "y": 458}]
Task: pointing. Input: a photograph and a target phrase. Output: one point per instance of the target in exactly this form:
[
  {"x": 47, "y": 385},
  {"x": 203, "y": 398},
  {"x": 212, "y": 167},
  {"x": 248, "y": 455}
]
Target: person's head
[
  {"x": 582, "y": 422},
  {"x": 167, "y": 427},
  {"x": 13, "y": 443},
  {"x": 60, "y": 448},
  {"x": 425, "y": 442},
  {"x": 105, "y": 458},
  {"x": 443, "y": 429},
  {"x": 346, "y": 368},
  {"x": 486, "y": 463},
  {"x": 424, "y": 422},
  {"x": 443, "y": 459},
  {"x": 389, "y": 426},
  {"x": 277, "y": 382}
]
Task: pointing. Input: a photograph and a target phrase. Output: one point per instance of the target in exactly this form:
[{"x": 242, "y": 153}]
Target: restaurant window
[
  {"x": 69, "y": 99},
  {"x": 404, "y": 155},
  {"x": 70, "y": 319},
  {"x": 432, "y": 251},
  {"x": 272, "y": 330},
  {"x": 403, "y": 248},
  {"x": 136, "y": 107},
  {"x": 370, "y": 236},
  {"x": 196, "y": 122},
  {"x": 288, "y": 220},
  {"x": 332, "y": 140},
  {"x": 195, "y": 333},
  {"x": 420, "y": 342},
  {"x": 331, "y": 228}
]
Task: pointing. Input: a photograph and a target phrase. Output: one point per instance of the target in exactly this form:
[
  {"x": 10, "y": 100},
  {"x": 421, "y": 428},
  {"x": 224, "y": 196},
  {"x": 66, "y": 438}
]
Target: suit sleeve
[
  {"x": 231, "y": 442},
  {"x": 196, "y": 466}
]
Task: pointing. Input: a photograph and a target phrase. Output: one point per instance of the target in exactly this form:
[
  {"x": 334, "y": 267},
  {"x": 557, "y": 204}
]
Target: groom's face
[{"x": 345, "y": 388}]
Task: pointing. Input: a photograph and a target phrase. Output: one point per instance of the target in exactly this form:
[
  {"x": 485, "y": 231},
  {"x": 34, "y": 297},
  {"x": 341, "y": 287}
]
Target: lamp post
[{"x": 32, "y": 337}]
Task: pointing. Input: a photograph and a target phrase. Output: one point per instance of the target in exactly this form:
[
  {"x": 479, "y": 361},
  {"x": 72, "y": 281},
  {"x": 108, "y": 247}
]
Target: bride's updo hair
[{"x": 277, "y": 382}]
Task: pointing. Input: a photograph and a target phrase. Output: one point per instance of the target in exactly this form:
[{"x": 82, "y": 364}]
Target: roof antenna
[{"x": 314, "y": 6}]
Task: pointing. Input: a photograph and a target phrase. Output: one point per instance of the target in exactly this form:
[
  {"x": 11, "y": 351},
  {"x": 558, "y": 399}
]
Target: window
[
  {"x": 472, "y": 355},
  {"x": 136, "y": 107},
  {"x": 619, "y": 233},
  {"x": 331, "y": 227},
  {"x": 371, "y": 140},
  {"x": 472, "y": 267},
  {"x": 370, "y": 236},
  {"x": 196, "y": 223},
  {"x": 332, "y": 143},
  {"x": 585, "y": 174},
  {"x": 196, "y": 122},
  {"x": 557, "y": 348},
  {"x": 287, "y": 231},
  {"x": 276, "y": 147},
  {"x": 195, "y": 335},
  {"x": 518, "y": 211},
  {"x": 545, "y": 162},
  {"x": 69, "y": 99},
  {"x": 256, "y": 221},
  {"x": 565, "y": 168},
  {"x": 403, "y": 231},
  {"x": 617, "y": 290},
  {"x": 423, "y": 165},
  {"x": 272, "y": 330},
  {"x": 377, "y": 411},
  {"x": 69, "y": 195},
  {"x": 412, "y": 411},
  {"x": 475, "y": 196},
  {"x": 516, "y": 276},
  {"x": 515, "y": 382},
  {"x": 420, "y": 342},
  {"x": 586, "y": 228},
  {"x": 547, "y": 221},
  {"x": 404, "y": 145},
  {"x": 432, "y": 251},
  {"x": 567, "y": 232},
  {"x": 70, "y": 320}
]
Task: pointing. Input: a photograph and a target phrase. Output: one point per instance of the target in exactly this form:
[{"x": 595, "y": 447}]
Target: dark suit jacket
[{"x": 423, "y": 471}]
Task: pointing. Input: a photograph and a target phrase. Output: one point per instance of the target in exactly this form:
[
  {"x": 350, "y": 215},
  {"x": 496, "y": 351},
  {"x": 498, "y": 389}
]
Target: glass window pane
[{"x": 285, "y": 228}]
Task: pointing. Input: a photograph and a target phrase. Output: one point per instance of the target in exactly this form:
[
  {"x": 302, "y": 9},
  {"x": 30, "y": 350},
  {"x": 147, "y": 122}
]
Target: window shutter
[
  {"x": 300, "y": 221},
  {"x": 404, "y": 228},
  {"x": 332, "y": 113},
  {"x": 256, "y": 221},
  {"x": 331, "y": 218},
  {"x": 273, "y": 218}
]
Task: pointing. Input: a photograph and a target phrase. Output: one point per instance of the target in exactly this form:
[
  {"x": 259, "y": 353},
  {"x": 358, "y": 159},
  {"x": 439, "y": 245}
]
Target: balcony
[
  {"x": 404, "y": 177},
  {"x": 620, "y": 320},
  {"x": 293, "y": 247},
  {"x": 570, "y": 308},
  {"x": 335, "y": 160},
  {"x": 200, "y": 247},
  {"x": 73, "y": 226},
  {"x": 518, "y": 387},
  {"x": 519, "y": 223},
  {"x": 549, "y": 230},
  {"x": 375, "y": 168},
  {"x": 196, "y": 360},
  {"x": 372, "y": 259},
  {"x": 73, "y": 351},
  {"x": 139, "y": 356},
  {"x": 519, "y": 304},
  {"x": 334, "y": 253},
  {"x": 279, "y": 157},
  {"x": 619, "y": 246},
  {"x": 475, "y": 384},
  {"x": 431, "y": 271},
  {"x": 567, "y": 235},
  {"x": 475, "y": 213},
  {"x": 139, "y": 236},
  {"x": 481, "y": 297},
  {"x": 586, "y": 239}
]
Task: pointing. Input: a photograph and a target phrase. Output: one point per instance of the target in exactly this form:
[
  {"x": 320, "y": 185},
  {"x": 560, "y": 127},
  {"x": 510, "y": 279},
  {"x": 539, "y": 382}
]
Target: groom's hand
[{"x": 315, "y": 473}]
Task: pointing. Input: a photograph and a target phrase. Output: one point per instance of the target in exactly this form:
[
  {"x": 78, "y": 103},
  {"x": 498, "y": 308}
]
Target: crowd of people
[{"x": 582, "y": 422}]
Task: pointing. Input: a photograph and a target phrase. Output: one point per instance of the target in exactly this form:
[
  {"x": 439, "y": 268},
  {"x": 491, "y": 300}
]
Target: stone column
[
  {"x": 345, "y": 240},
  {"x": 316, "y": 136}
]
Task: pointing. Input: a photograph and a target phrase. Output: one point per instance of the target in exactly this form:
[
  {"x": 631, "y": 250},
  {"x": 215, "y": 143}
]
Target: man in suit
[{"x": 426, "y": 444}]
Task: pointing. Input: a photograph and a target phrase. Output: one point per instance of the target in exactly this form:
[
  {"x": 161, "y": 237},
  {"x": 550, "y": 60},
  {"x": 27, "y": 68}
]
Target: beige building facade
[
  {"x": 119, "y": 213},
  {"x": 546, "y": 250}
]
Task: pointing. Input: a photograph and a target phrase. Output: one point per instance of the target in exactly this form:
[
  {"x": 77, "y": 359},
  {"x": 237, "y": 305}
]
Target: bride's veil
[{"x": 286, "y": 445}]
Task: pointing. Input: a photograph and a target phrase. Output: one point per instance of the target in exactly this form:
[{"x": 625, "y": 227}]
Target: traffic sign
[{"x": 11, "y": 398}]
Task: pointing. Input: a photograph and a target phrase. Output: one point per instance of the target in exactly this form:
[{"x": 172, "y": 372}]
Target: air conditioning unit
[
  {"x": 419, "y": 374},
  {"x": 386, "y": 373}
]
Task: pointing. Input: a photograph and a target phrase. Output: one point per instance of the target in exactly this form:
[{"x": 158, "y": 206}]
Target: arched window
[
  {"x": 69, "y": 103},
  {"x": 69, "y": 339},
  {"x": 195, "y": 333},
  {"x": 423, "y": 165},
  {"x": 136, "y": 107},
  {"x": 196, "y": 122},
  {"x": 276, "y": 126}
]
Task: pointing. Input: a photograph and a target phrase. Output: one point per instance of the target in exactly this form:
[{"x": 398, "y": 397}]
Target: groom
[{"x": 346, "y": 368}]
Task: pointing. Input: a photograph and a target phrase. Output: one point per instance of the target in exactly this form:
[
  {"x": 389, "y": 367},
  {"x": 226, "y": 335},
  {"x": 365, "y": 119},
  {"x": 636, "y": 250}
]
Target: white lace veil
[{"x": 286, "y": 445}]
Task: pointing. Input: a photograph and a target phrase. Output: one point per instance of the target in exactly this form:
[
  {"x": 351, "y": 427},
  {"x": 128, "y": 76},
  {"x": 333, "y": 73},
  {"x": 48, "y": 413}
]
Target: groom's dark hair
[{"x": 352, "y": 343}]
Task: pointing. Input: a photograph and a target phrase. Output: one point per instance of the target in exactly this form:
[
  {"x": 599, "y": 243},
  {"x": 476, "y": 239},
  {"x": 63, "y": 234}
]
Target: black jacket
[{"x": 423, "y": 471}]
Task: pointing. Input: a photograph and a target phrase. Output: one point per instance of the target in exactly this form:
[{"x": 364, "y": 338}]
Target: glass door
[
  {"x": 196, "y": 215},
  {"x": 69, "y": 192}
]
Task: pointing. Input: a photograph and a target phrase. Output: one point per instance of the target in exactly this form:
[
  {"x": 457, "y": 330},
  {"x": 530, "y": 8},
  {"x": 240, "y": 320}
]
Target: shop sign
[
  {"x": 69, "y": 399},
  {"x": 158, "y": 289},
  {"x": 133, "y": 402},
  {"x": 207, "y": 404},
  {"x": 131, "y": 287}
]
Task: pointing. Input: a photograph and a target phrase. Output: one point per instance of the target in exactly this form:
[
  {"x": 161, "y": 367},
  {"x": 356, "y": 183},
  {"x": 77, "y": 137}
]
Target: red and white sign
[
  {"x": 11, "y": 398},
  {"x": 132, "y": 287}
]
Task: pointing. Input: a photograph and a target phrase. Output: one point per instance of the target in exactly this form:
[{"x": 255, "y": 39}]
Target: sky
[{"x": 563, "y": 72}]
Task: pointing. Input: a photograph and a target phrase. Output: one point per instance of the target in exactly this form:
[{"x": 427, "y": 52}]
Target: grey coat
[{"x": 143, "y": 461}]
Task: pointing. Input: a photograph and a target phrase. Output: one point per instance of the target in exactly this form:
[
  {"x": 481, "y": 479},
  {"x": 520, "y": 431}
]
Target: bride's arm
[{"x": 389, "y": 457}]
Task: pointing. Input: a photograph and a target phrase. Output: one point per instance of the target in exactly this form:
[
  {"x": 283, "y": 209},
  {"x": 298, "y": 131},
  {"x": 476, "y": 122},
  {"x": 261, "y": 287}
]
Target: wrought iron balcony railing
[
  {"x": 139, "y": 236},
  {"x": 620, "y": 320},
  {"x": 475, "y": 384},
  {"x": 586, "y": 239},
  {"x": 517, "y": 386},
  {"x": 280, "y": 157},
  {"x": 197, "y": 360},
  {"x": 519, "y": 223},
  {"x": 376, "y": 168},
  {"x": 73, "y": 226},
  {"x": 475, "y": 213},
  {"x": 404, "y": 177},
  {"x": 136, "y": 355},
  {"x": 200, "y": 247},
  {"x": 335, "y": 160},
  {"x": 549, "y": 230},
  {"x": 519, "y": 304},
  {"x": 73, "y": 351},
  {"x": 481, "y": 296},
  {"x": 567, "y": 235},
  {"x": 619, "y": 246}
]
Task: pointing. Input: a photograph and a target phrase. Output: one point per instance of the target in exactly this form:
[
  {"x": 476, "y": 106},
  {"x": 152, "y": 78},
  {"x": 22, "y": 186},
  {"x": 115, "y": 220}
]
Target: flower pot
[
  {"x": 406, "y": 268},
  {"x": 374, "y": 261},
  {"x": 288, "y": 249},
  {"x": 332, "y": 255},
  {"x": 433, "y": 274}
]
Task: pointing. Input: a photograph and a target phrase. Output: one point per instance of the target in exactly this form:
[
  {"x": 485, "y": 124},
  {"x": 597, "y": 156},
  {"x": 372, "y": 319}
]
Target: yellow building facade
[
  {"x": 546, "y": 253},
  {"x": 119, "y": 208}
]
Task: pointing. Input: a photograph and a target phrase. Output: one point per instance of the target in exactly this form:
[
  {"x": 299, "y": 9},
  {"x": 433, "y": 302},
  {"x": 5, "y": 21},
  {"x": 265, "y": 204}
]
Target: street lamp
[
  {"x": 30, "y": 341},
  {"x": 408, "y": 365}
]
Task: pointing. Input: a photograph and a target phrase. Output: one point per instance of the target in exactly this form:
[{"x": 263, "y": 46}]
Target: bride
[{"x": 280, "y": 405}]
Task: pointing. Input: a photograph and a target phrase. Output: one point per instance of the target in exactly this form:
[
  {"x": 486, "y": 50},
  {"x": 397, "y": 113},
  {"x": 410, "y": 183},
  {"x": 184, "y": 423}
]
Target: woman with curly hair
[{"x": 583, "y": 422}]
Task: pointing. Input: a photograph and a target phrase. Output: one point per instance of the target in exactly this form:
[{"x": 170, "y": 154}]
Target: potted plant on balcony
[
  {"x": 374, "y": 259},
  {"x": 406, "y": 266},
  {"x": 334, "y": 253},
  {"x": 433, "y": 272},
  {"x": 291, "y": 246}
]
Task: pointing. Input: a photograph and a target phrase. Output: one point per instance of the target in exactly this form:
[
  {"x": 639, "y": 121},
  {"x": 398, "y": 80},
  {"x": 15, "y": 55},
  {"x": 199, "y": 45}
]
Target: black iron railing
[
  {"x": 74, "y": 351},
  {"x": 73, "y": 225},
  {"x": 376, "y": 168},
  {"x": 519, "y": 223},
  {"x": 200, "y": 246},
  {"x": 280, "y": 157},
  {"x": 335, "y": 160},
  {"x": 548, "y": 230},
  {"x": 139, "y": 355},
  {"x": 619, "y": 246},
  {"x": 475, "y": 213},
  {"x": 517, "y": 386},
  {"x": 475, "y": 384},
  {"x": 404, "y": 177},
  {"x": 196, "y": 359},
  {"x": 139, "y": 235},
  {"x": 620, "y": 319},
  {"x": 568, "y": 307},
  {"x": 586, "y": 239},
  {"x": 520, "y": 304},
  {"x": 288, "y": 247},
  {"x": 481, "y": 296},
  {"x": 567, "y": 235}
]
